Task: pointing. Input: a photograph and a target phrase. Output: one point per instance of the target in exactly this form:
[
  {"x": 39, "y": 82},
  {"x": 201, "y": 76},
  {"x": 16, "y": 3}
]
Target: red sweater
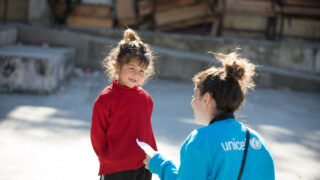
[{"x": 120, "y": 116}]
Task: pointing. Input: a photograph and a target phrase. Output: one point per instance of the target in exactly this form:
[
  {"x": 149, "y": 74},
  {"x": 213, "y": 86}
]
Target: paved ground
[{"x": 46, "y": 137}]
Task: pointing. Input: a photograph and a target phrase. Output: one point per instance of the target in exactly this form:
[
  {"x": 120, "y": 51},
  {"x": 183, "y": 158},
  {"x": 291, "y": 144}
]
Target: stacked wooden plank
[
  {"x": 146, "y": 6},
  {"x": 301, "y": 7},
  {"x": 250, "y": 7},
  {"x": 126, "y": 12},
  {"x": 90, "y": 15},
  {"x": 299, "y": 19},
  {"x": 14, "y": 10},
  {"x": 253, "y": 18},
  {"x": 169, "y": 15}
]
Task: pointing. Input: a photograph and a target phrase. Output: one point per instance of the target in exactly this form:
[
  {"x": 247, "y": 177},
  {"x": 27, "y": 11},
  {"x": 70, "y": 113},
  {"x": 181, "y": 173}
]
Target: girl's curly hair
[{"x": 129, "y": 48}]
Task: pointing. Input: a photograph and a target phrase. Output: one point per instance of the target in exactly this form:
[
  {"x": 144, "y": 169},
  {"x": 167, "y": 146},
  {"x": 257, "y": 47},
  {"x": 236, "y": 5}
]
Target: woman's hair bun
[
  {"x": 130, "y": 35},
  {"x": 237, "y": 68},
  {"x": 234, "y": 70}
]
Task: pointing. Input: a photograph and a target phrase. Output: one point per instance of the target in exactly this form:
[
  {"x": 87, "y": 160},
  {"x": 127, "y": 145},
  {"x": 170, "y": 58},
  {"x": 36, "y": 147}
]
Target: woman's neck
[{"x": 222, "y": 116}]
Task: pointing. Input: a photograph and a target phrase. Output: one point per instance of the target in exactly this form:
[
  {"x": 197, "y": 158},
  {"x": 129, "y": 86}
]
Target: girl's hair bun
[{"x": 130, "y": 35}]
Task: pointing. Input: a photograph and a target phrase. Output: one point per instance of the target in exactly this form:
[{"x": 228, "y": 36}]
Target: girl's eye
[{"x": 142, "y": 71}]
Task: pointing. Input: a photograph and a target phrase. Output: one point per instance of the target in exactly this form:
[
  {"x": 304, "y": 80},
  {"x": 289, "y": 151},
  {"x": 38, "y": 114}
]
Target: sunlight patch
[{"x": 32, "y": 113}]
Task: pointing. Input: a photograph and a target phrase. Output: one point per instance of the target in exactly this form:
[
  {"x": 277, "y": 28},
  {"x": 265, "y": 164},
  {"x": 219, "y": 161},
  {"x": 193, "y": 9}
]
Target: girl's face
[
  {"x": 131, "y": 74},
  {"x": 199, "y": 108}
]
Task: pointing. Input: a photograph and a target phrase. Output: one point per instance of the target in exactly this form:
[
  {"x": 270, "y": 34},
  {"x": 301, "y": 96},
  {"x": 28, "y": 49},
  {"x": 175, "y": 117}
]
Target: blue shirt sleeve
[
  {"x": 193, "y": 165},
  {"x": 165, "y": 169}
]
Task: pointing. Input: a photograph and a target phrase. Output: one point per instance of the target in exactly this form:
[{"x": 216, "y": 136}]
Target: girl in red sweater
[{"x": 122, "y": 112}]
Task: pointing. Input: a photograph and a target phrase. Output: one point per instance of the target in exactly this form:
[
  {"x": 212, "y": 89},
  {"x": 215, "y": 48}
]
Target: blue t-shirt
[{"x": 216, "y": 152}]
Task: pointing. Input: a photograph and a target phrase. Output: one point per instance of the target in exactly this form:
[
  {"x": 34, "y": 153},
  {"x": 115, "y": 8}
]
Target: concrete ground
[{"x": 46, "y": 137}]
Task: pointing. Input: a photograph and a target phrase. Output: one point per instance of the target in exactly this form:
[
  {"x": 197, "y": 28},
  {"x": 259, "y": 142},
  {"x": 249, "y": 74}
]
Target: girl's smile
[{"x": 131, "y": 74}]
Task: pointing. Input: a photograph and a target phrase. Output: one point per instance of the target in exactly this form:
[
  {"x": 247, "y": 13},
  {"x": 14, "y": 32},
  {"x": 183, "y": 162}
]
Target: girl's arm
[{"x": 98, "y": 128}]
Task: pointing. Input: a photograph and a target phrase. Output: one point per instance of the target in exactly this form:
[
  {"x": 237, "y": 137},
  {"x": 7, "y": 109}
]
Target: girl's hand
[{"x": 147, "y": 159}]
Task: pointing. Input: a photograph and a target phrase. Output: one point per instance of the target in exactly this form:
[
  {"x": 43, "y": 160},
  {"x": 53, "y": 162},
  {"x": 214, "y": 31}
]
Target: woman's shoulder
[
  {"x": 217, "y": 132},
  {"x": 199, "y": 136},
  {"x": 256, "y": 140}
]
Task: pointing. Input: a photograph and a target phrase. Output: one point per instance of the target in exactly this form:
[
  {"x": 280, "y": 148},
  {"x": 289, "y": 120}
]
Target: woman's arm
[
  {"x": 165, "y": 169},
  {"x": 193, "y": 165}
]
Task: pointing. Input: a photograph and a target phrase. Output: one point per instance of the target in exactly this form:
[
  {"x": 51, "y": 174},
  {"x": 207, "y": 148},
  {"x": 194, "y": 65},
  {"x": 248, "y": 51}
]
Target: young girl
[
  {"x": 122, "y": 112},
  {"x": 224, "y": 148}
]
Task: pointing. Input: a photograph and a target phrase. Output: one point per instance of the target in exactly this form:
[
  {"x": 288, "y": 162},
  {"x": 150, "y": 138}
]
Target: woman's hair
[
  {"x": 129, "y": 48},
  {"x": 229, "y": 83}
]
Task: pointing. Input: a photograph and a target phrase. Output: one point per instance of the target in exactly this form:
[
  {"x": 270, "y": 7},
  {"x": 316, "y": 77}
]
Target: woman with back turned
[{"x": 225, "y": 148}]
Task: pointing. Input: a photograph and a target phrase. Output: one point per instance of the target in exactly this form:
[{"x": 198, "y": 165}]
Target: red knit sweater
[{"x": 120, "y": 116}]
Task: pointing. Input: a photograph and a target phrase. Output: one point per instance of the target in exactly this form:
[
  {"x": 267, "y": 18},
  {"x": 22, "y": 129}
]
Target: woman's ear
[
  {"x": 209, "y": 102},
  {"x": 207, "y": 99}
]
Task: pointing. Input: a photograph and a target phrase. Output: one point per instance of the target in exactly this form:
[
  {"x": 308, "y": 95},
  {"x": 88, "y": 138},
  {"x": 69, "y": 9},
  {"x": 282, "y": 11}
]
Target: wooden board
[
  {"x": 126, "y": 22},
  {"x": 263, "y": 8},
  {"x": 90, "y": 10},
  {"x": 301, "y": 11},
  {"x": 181, "y": 14},
  {"x": 146, "y": 6},
  {"x": 163, "y": 5},
  {"x": 126, "y": 9},
  {"x": 17, "y": 10},
  {"x": 90, "y": 22},
  {"x": 298, "y": 27},
  {"x": 186, "y": 23},
  {"x": 309, "y": 3},
  {"x": 241, "y": 22}
]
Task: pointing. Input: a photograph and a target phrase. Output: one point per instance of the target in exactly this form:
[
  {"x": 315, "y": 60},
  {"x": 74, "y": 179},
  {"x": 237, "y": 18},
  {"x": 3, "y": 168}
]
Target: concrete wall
[
  {"x": 289, "y": 65},
  {"x": 90, "y": 50},
  {"x": 34, "y": 69},
  {"x": 297, "y": 56},
  {"x": 102, "y": 2},
  {"x": 300, "y": 57},
  {"x": 8, "y": 36}
]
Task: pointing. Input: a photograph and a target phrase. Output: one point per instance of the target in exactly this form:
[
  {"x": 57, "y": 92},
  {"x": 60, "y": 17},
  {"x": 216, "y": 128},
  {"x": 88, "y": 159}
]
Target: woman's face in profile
[{"x": 198, "y": 108}]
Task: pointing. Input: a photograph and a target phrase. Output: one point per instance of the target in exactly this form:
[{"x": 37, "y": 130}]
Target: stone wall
[
  {"x": 280, "y": 64},
  {"x": 8, "y": 36},
  {"x": 34, "y": 69},
  {"x": 297, "y": 56}
]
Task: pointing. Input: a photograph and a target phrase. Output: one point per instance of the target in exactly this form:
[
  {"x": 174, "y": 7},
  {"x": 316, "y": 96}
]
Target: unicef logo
[{"x": 255, "y": 143}]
